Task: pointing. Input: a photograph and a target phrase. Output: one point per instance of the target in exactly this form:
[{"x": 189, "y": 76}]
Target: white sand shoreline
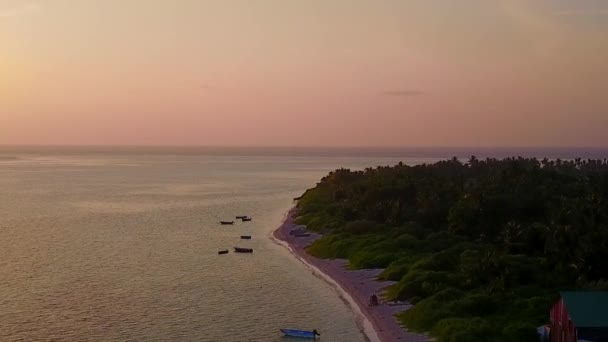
[
  {"x": 364, "y": 324},
  {"x": 378, "y": 324}
]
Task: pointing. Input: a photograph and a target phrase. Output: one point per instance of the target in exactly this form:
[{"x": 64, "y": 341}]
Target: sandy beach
[{"x": 355, "y": 286}]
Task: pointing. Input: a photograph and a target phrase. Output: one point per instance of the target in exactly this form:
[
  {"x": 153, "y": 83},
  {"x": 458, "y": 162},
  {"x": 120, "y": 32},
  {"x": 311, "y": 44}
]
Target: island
[{"x": 480, "y": 248}]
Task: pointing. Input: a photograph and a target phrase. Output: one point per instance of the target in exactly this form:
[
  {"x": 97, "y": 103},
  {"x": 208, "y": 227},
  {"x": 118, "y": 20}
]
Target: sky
[{"x": 304, "y": 72}]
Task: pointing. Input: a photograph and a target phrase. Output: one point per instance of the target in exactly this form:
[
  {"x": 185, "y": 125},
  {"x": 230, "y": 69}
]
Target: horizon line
[{"x": 308, "y": 146}]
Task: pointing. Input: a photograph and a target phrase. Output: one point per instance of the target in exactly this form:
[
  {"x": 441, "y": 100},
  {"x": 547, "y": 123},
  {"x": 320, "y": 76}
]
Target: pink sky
[{"x": 289, "y": 72}]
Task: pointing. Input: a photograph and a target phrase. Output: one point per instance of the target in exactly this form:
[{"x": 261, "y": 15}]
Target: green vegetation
[{"x": 481, "y": 248}]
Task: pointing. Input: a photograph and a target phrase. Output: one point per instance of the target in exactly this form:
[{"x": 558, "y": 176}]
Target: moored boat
[
  {"x": 223, "y": 251},
  {"x": 226, "y": 222},
  {"x": 243, "y": 250},
  {"x": 300, "y": 333},
  {"x": 246, "y": 219},
  {"x": 241, "y": 217},
  {"x": 246, "y": 237}
]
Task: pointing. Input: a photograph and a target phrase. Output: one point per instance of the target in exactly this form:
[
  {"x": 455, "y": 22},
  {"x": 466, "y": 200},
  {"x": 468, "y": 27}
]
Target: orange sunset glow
[{"x": 304, "y": 73}]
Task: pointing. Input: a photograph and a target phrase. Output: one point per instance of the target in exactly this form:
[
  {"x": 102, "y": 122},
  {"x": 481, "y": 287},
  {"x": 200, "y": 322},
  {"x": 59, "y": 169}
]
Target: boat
[
  {"x": 302, "y": 235},
  {"x": 246, "y": 237},
  {"x": 300, "y": 333},
  {"x": 223, "y": 251},
  {"x": 246, "y": 219},
  {"x": 243, "y": 250},
  {"x": 226, "y": 222},
  {"x": 241, "y": 217}
]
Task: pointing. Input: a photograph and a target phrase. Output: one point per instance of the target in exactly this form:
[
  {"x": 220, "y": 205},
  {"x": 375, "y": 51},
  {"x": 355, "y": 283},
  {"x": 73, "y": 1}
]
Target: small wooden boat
[
  {"x": 302, "y": 235},
  {"x": 297, "y": 198},
  {"x": 246, "y": 219},
  {"x": 300, "y": 333},
  {"x": 223, "y": 251},
  {"x": 243, "y": 250},
  {"x": 241, "y": 217},
  {"x": 246, "y": 237},
  {"x": 226, "y": 222}
]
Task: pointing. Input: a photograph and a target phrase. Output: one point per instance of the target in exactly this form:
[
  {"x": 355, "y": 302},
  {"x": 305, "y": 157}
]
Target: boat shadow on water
[{"x": 298, "y": 339}]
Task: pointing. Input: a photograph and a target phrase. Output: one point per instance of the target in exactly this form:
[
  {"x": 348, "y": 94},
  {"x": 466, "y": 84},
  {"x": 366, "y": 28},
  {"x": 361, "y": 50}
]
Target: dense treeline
[{"x": 482, "y": 248}]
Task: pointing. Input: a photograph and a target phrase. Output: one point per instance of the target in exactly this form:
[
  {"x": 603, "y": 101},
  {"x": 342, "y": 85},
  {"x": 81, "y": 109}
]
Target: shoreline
[{"x": 377, "y": 323}]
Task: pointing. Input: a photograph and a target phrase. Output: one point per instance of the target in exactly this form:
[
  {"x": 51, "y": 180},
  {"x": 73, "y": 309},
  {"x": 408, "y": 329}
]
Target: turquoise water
[{"x": 115, "y": 245}]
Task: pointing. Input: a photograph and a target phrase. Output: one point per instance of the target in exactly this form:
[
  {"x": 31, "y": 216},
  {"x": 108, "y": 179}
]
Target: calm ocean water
[{"x": 121, "y": 243}]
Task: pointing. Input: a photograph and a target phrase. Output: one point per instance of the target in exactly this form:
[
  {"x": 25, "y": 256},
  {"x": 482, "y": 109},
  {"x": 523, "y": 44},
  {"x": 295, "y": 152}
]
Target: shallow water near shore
[{"x": 117, "y": 246}]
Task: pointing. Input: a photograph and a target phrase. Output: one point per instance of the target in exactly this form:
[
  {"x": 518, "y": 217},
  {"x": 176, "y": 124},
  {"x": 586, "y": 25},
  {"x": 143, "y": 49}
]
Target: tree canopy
[{"x": 482, "y": 247}]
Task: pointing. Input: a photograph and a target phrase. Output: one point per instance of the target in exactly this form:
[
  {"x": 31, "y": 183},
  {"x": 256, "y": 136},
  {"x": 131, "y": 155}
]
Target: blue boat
[{"x": 300, "y": 333}]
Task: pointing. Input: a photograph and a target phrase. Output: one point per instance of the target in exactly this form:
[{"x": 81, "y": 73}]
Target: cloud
[
  {"x": 19, "y": 11},
  {"x": 403, "y": 93},
  {"x": 581, "y": 12},
  {"x": 203, "y": 87}
]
